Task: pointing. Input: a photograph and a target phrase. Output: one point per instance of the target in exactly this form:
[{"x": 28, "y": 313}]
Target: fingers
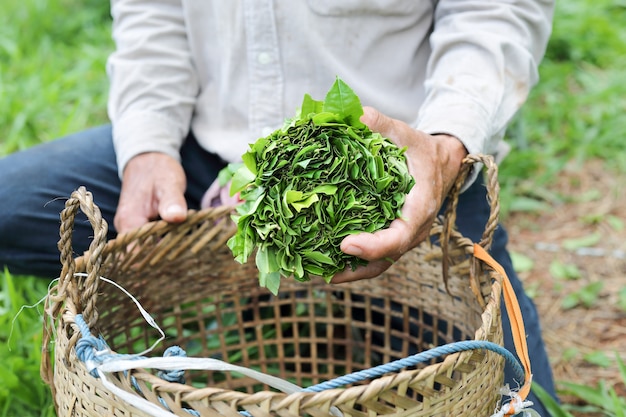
[
  {"x": 211, "y": 195},
  {"x": 386, "y": 243},
  {"x": 380, "y": 248},
  {"x": 371, "y": 270},
  {"x": 135, "y": 206},
  {"x": 133, "y": 210},
  {"x": 153, "y": 186},
  {"x": 218, "y": 195}
]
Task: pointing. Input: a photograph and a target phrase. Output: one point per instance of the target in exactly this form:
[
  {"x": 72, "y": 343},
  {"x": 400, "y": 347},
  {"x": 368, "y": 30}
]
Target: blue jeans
[{"x": 36, "y": 182}]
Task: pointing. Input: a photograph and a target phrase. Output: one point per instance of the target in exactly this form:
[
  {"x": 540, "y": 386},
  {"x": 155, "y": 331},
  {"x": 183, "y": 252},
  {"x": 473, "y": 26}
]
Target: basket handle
[
  {"x": 83, "y": 295},
  {"x": 82, "y": 292},
  {"x": 493, "y": 197},
  {"x": 449, "y": 220}
]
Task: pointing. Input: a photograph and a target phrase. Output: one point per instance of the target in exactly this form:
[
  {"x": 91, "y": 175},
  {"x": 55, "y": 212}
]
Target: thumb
[
  {"x": 173, "y": 211},
  {"x": 172, "y": 205},
  {"x": 377, "y": 121},
  {"x": 398, "y": 132}
]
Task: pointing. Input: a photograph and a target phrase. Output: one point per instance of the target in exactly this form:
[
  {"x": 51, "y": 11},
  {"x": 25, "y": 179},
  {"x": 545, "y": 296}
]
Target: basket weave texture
[{"x": 213, "y": 307}]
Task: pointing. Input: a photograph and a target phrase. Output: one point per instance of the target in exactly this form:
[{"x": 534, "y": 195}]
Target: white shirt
[{"x": 233, "y": 70}]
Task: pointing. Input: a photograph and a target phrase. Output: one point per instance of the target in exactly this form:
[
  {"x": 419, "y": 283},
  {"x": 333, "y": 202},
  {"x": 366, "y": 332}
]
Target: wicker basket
[{"x": 213, "y": 307}]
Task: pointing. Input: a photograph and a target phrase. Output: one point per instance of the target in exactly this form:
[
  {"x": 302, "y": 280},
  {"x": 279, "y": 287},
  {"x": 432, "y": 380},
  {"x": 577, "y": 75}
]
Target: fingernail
[
  {"x": 353, "y": 250},
  {"x": 174, "y": 210}
]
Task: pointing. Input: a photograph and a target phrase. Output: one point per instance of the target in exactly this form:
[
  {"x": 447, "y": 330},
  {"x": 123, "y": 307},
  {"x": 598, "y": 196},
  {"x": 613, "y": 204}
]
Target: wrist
[
  {"x": 452, "y": 152},
  {"x": 453, "y": 148}
]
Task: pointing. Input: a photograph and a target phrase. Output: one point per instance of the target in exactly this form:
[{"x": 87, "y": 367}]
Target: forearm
[
  {"x": 152, "y": 81},
  {"x": 484, "y": 61}
]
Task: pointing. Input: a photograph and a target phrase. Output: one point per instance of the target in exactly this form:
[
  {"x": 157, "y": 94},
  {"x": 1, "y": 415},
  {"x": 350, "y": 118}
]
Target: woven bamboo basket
[{"x": 213, "y": 307}]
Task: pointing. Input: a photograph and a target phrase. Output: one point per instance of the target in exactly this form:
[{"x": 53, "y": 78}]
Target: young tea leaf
[
  {"x": 341, "y": 100},
  {"x": 240, "y": 179},
  {"x": 310, "y": 106}
]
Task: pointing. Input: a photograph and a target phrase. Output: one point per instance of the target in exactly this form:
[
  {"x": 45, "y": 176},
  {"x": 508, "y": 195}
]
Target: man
[{"x": 193, "y": 82}]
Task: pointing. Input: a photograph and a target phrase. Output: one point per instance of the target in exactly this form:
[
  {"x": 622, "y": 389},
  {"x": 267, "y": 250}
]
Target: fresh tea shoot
[{"x": 322, "y": 176}]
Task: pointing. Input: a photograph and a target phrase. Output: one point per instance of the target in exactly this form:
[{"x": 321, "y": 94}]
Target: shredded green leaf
[{"x": 321, "y": 177}]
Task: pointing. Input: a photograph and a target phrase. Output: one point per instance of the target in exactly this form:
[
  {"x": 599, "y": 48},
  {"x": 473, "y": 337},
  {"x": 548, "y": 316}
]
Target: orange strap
[{"x": 515, "y": 316}]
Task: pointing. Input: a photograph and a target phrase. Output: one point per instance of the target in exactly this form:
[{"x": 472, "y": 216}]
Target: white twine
[
  {"x": 516, "y": 405},
  {"x": 133, "y": 399},
  {"x": 146, "y": 316},
  {"x": 114, "y": 363},
  {"x": 173, "y": 363},
  {"x": 41, "y": 300}
]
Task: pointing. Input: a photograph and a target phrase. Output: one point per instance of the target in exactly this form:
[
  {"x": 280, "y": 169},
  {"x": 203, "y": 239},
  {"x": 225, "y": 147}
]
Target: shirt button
[{"x": 264, "y": 58}]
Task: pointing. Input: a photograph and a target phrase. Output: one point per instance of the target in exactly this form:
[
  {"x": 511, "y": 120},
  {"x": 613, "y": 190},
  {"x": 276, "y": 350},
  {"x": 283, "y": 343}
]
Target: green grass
[
  {"x": 53, "y": 82},
  {"x": 576, "y": 111},
  {"x": 52, "y": 60},
  {"x": 22, "y": 392}
]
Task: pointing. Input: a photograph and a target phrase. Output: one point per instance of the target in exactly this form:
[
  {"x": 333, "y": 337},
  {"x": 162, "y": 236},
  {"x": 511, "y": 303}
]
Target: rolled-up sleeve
[
  {"x": 484, "y": 60},
  {"x": 153, "y": 84}
]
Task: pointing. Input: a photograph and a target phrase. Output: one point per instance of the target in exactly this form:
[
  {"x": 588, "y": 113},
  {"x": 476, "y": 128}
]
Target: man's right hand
[{"x": 153, "y": 186}]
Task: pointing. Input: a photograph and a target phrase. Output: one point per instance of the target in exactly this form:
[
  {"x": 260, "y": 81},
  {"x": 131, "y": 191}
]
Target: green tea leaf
[
  {"x": 618, "y": 403},
  {"x": 570, "y": 301},
  {"x": 270, "y": 280},
  {"x": 527, "y": 204},
  {"x": 318, "y": 257},
  {"x": 269, "y": 275},
  {"x": 240, "y": 180},
  {"x": 341, "y": 100},
  {"x": 589, "y": 294},
  {"x": 249, "y": 161},
  {"x": 310, "y": 106},
  {"x": 266, "y": 260},
  {"x": 227, "y": 173},
  {"x": 300, "y": 202},
  {"x": 327, "y": 189}
]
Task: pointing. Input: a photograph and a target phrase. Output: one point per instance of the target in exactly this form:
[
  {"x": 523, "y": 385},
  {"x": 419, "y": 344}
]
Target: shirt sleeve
[
  {"x": 484, "y": 61},
  {"x": 153, "y": 85}
]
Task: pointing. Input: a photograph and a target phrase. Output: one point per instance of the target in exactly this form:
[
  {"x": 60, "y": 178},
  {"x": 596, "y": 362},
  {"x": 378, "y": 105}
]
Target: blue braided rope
[
  {"x": 422, "y": 357},
  {"x": 91, "y": 348},
  {"x": 88, "y": 345},
  {"x": 173, "y": 375}
]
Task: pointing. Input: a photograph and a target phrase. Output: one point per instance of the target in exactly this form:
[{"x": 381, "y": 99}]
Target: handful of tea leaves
[{"x": 322, "y": 176}]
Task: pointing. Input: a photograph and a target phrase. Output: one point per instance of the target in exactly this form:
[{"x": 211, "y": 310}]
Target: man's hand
[
  {"x": 153, "y": 186},
  {"x": 434, "y": 162}
]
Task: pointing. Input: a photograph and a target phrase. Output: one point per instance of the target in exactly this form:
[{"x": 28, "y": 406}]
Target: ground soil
[{"x": 588, "y": 200}]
